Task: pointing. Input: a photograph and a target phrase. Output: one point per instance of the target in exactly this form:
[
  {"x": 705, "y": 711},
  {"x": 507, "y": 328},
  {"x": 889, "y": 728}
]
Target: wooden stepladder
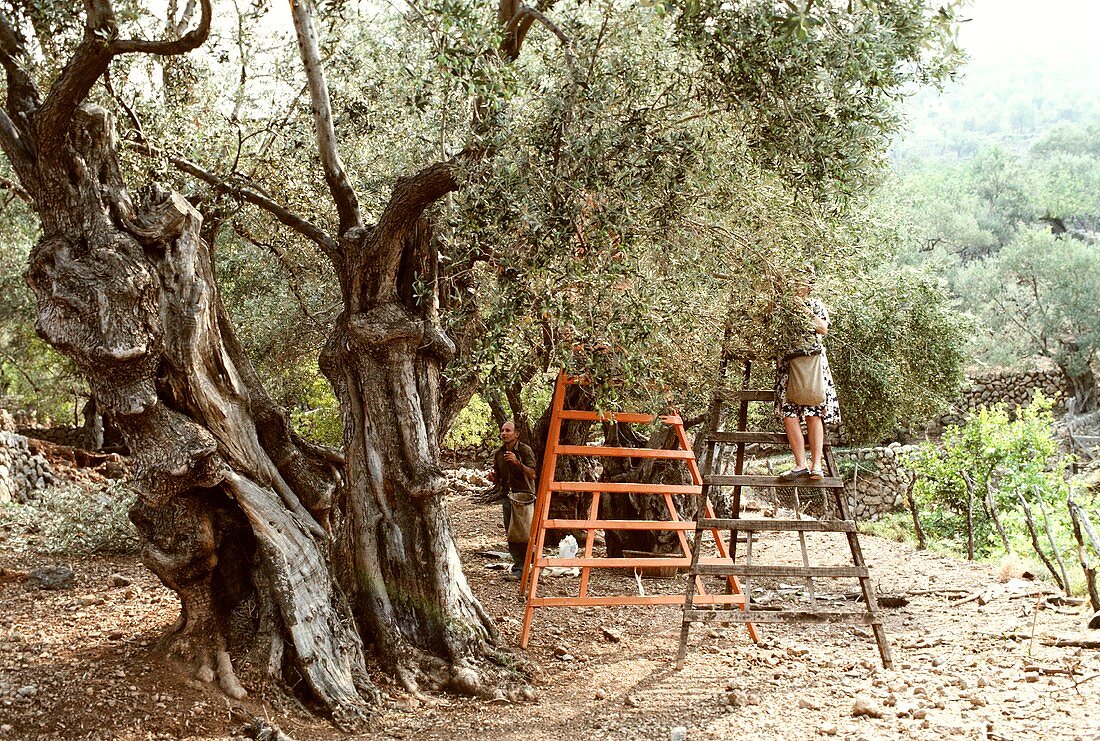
[
  {"x": 833, "y": 487},
  {"x": 536, "y": 561}
]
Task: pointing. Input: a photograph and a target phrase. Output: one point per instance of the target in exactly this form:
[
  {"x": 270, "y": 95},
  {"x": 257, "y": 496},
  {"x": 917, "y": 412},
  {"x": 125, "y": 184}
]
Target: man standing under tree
[{"x": 514, "y": 474}]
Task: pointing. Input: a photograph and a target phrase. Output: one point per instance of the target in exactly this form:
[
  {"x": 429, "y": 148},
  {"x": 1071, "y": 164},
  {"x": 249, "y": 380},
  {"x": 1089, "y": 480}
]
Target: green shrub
[
  {"x": 473, "y": 427},
  {"x": 999, "y": 468},
  {"x": 73, "y": 520}
]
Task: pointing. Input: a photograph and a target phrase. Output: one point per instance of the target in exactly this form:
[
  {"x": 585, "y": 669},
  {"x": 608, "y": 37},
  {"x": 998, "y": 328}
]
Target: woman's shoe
[
  {"x": 816, "y": 474},
  {"x": 794, "y": 473}
]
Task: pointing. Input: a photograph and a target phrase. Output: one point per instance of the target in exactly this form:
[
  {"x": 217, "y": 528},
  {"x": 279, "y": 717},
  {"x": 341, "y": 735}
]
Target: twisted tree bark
[
  {"x": 229, "y": 501},
  {"x": 291, "y": 554}
]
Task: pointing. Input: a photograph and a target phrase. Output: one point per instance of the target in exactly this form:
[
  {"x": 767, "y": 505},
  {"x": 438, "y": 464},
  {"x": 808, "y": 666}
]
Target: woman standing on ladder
[{"x": 808, "y": 342}]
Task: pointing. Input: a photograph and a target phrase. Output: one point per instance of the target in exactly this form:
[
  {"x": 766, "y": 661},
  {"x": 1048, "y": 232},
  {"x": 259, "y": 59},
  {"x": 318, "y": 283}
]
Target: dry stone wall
[
  {"x": 22, "y": 473},
  {"x": 875, "y": 481},
  {"x": 1009, "y": 387},
  {"x": 73, "y": 437}
]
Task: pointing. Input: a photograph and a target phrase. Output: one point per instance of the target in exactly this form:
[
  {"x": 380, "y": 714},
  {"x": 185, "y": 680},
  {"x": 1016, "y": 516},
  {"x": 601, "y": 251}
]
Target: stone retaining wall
[
  {"x": 73, "y": 437},
  {"x": 874, "y": 480},
  {"x": 22, "y": 473},
  {"x": 1013, "y": 388}
]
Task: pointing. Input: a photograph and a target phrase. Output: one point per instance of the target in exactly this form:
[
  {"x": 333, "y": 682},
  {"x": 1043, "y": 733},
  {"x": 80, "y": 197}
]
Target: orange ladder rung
[
  {"x": 616, "y": 452},
  {"x": 625, "y": 487},
  {"x": 619, "y": 525}
]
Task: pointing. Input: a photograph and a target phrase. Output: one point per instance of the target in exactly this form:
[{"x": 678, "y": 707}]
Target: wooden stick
[
  {"x": 913, "y": 509},
  {"x": 992, "y": 507},
  {"x": 1053, "y": 545},
  {"x": 1052, "y": 641},
  {"x": 1035, "y": 540},
  {"x": 968, "y": 481},
  {"x": 1035, "y": 623},
  {"x": 1076, "y": 515}
]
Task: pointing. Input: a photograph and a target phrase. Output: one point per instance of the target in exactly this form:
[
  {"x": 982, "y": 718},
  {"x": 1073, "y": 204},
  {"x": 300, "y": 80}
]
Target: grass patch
[{"x": 892, "y": 526}]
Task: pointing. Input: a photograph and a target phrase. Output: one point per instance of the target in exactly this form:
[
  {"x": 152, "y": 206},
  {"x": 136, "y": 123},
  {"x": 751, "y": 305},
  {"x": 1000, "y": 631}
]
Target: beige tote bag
[{"x": 806, "y": 380}]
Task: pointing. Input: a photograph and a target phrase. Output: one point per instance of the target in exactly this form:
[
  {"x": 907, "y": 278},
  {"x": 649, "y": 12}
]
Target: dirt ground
[{"x": 76, "y": 663}]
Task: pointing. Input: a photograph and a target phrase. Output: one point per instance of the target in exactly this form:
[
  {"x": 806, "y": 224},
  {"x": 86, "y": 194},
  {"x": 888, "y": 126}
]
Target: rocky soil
[{"x": 79, "y": 662}]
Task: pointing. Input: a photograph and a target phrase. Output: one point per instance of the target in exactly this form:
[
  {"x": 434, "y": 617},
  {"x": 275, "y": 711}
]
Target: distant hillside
[{"x": 1029, "y": 71}]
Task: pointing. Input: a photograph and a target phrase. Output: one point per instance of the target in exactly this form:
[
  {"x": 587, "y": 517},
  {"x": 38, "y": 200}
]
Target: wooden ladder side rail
[
  {"x": 733, "y": 586},
  {"x": 739, "y": 461},
  {"x": 857, "y": 558},
  {"x": 689, "y": 595},
  {"x": 710, "y": 451}
]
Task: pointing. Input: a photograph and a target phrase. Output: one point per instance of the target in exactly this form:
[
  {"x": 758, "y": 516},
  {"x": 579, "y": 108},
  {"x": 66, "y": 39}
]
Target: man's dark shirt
[{"x": 510, "y": 476}]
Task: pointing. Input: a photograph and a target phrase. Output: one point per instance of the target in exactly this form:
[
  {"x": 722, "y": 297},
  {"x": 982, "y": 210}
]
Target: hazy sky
[{"x": 1066, "y": 30}]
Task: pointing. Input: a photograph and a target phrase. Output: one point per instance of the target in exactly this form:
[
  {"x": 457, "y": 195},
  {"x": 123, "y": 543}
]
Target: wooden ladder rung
[
  {"x": 637, "y": 599},
  {"x": 746, "y": 394},
  {"x": 777, "y": 616},
  {"x": 631, "y": 417},
  {"x": 740, "y": 569},
  {"x": 741, "y": 436},
  {"x": 615, "y": 563},
  {"x": 816, "y": 526},
  {"x": 779, "y": 438},
  {"x": 829, "y": 482}
]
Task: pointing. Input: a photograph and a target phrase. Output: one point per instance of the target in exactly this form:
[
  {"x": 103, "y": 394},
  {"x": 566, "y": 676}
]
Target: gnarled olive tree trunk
[
  {"x": 403, "y": 572},
  {"x": 127, "y": 291},
  {"x": 229, "y": 500}
]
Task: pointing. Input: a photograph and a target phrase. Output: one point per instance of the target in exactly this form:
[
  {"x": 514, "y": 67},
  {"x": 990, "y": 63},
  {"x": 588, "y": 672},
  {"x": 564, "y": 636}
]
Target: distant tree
[
  {"x": 1038, "y": 296},
  {"x": 1015, "y": 239}
]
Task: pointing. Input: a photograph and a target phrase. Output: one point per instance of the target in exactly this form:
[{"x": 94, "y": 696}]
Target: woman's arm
[{"x": 819, "y": 316}]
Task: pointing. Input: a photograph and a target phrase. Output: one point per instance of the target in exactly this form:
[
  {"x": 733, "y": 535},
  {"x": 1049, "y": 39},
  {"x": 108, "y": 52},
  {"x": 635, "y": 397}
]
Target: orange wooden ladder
[{"x": 535, "y": 561}]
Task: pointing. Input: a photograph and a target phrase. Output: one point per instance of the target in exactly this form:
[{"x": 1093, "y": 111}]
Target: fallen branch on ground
[{"x": 1055, "y": 641}]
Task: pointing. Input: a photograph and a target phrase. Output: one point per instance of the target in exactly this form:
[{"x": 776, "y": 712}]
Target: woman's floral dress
[{"x": 828, "y": 411}]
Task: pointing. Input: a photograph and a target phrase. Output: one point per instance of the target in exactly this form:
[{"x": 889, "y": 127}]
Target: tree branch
[
  {"x": 15, "y": 188},
  {"x": 189, "y": 41},
  {"x": 347, "y": 205},
  {"x": 23, "y": 95},
  {"x": 89, "y": 62},
  {"x": 13, "y": 144},
  {"x": 412, "y": 195},
  {"x": 306, "y": 228},
  {"x": 22, "y": 100},
  {"x": 521, "y": 22},
  {"x": 185, "y": 18}
]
